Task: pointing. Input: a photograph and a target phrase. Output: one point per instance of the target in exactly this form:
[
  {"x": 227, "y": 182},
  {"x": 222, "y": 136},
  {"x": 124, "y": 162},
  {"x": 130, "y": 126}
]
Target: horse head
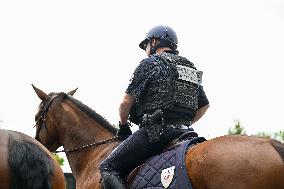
[
  {"x": 47, "y": 133},
  {"x": 86, "y": 136}
]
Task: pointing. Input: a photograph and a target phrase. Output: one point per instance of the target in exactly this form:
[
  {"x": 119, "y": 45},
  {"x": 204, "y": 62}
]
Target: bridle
[{"x": 41, "y": 122}]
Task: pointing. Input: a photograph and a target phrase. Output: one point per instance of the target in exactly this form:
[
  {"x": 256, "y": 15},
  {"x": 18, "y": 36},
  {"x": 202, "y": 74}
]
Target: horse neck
[{"x": 78, "y": 129}]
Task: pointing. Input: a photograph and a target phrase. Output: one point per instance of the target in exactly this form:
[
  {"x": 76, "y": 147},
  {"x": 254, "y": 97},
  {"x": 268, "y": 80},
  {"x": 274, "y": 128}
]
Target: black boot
[{"x": 112, "y": 182}]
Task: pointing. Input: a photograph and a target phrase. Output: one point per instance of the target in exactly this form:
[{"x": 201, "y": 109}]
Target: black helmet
[{"x": 165, "y": 33}]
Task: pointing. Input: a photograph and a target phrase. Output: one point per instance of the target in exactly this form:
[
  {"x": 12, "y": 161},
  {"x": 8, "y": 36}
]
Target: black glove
[{"x": 124, "y": 131}]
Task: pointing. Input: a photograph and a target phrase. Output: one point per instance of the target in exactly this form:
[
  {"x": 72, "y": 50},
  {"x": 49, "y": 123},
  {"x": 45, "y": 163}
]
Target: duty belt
[
  {"x": 179, "y": 127},
  {"x": 176, "y": 121},
  {"x": 154, "y": 124}
]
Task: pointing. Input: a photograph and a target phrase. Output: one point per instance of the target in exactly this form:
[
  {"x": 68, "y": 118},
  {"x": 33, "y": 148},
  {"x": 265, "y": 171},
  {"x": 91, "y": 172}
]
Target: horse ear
[
  {"x": 42, "y": 95},
  {"x": 71, "y": 93}
]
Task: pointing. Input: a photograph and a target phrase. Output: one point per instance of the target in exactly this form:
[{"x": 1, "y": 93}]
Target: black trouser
[{"x": 135, "y": 150}]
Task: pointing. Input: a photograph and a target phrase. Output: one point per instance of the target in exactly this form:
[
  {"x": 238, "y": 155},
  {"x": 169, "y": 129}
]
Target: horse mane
[
  {"x": 279, "y": 147},
  {"x": 30, "y": 166},
  {"x": 92, "y": 114}
]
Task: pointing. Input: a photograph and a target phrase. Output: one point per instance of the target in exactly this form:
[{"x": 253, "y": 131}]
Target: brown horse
[
  {"x": 228, "y": 162},
  {"x": 27, "y": 164}
]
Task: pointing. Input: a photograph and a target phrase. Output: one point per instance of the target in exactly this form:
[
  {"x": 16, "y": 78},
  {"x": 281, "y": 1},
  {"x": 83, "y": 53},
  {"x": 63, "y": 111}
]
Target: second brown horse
[{"x": 27, "y": 164}]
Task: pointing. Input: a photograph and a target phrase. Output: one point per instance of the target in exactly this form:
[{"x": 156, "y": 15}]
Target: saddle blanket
[{"x": 166, "y": 170}]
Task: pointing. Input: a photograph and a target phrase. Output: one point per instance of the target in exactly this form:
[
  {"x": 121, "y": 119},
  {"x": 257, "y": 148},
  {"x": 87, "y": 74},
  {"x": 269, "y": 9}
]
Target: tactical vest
[{"x": 176, "y": 95}]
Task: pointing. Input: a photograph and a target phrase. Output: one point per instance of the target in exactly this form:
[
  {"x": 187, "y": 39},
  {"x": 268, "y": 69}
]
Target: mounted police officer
[{"x": 164, "y": 98}]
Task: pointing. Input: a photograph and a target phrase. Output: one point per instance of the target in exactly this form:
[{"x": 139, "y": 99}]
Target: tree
[
  {"x": 237, "y": 129},
  {"x": 279, "y": 135},
  {"x": 263, "y": 134},
  {"x": 58, "y": 158}
]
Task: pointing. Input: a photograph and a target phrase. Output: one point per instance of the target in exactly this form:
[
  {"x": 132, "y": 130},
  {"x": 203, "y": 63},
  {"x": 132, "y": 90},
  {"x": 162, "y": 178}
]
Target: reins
[{"x": 113, "y": 139}]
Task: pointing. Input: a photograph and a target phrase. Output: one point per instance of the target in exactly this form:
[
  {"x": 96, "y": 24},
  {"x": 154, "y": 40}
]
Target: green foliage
[
  {"x": 279, "y": 136},
  {"x": 263, "y": 135},
  {"x": 237, "y": 130},
  {"x": 59, "y": 159}
]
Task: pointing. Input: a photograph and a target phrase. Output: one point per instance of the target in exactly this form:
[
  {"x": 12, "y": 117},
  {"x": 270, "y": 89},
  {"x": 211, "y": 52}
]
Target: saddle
[{"x": 166, "y": 170}]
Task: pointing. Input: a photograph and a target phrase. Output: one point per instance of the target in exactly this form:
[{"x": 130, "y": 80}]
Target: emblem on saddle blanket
[{"x": 167, "y": 176}]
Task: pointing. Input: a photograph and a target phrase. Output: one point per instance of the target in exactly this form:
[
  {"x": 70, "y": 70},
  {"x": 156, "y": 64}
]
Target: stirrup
[{"x": 112, "y": 182}]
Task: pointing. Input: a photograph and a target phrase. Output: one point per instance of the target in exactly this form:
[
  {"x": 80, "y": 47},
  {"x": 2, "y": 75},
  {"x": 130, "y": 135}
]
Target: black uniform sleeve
[
  {"x": 202, "y": 99},
  {"x": 138, "y": 80}
]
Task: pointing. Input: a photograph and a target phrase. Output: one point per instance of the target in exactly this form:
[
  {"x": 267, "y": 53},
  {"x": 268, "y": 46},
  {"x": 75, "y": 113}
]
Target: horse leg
[{"x": 235, "y": 163}]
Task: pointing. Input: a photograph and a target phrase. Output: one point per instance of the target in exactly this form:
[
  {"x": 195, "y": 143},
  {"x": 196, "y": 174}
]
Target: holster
[{"x": 154, "y": 125}]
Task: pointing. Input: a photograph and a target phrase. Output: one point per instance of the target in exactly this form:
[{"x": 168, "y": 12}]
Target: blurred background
[{"x": 93, "y": 45}]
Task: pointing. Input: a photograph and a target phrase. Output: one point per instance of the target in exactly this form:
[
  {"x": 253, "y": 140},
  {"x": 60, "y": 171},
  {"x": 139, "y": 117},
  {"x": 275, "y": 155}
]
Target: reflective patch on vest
[
  {"x": 189, "y": 74},
  {"x": 167, "y": 176}
]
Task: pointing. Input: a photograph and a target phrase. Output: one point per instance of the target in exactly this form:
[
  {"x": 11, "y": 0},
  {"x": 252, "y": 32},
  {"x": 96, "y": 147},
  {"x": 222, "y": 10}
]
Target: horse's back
[
  {"x": 29, "y": 164},
  {"x": 239, "y": 162}
]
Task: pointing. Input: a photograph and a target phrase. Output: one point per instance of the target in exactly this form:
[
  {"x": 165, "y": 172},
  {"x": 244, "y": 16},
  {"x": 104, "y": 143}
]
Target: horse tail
[
  {"x": 279, "y": 147},
  {"x": 30, "y": 166}
]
